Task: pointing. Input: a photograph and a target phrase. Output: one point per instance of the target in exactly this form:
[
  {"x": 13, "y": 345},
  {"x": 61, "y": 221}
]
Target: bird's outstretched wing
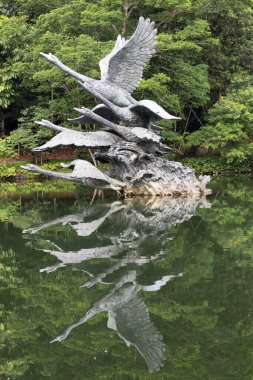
[
  {"x": 79, "y": 139},
  {"x": 133, "y": 324},
  {"x": 68, "y": 137},
  {"x": 124, "y": 65},
  {"x": 153, "y": 110}
]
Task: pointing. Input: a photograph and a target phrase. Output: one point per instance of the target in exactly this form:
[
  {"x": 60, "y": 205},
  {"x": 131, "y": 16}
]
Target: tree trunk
[{"x": 2, "y": 128}]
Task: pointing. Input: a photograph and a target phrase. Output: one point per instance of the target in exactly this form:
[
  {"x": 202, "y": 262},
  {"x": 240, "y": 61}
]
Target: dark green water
[{"x": 114, "y": 284}]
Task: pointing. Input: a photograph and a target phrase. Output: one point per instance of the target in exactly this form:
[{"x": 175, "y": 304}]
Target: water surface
[{"x": 117, "y": 289}]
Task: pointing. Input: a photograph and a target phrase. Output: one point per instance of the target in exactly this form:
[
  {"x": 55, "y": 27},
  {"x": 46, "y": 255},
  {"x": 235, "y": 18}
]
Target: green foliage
[
  {"x": 215, "y": 164},
  {"x": 27, "y": 187},
  {"x": 7, "y": 171},
  {"x": 230, "y": 125},
  {"x": 158, "y": 87},
  {"x": 6, "y": 87},
  {"x": 6, "y": 150},
  {"x": 102, "y": 20},
  {"x": 13, "y": 34},
  {"x": 27, "y": 138},
  {"x": 13, "y": 170},
  {"x": 179, "y": 53}
]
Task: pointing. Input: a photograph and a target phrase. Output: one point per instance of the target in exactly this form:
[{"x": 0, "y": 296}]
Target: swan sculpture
[
  {"x": 121, "y": 70},
  {"x": 100, "y": 139},
  {"x": 130, "y": 140}
]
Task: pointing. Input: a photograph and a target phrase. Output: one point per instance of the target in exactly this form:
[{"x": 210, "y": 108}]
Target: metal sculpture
[
  {"x": 121, "y": 70},
  {"x": 130, "y": 140}
]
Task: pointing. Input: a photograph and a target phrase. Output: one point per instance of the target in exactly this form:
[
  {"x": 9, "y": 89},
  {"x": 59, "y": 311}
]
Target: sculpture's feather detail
[
  {"x": 79, "y": 139},
  {"x": 152, "y": 110},
  {"x": 136, "y": 134},
  {"x": 68, "y": 137},
  {"x": 85, "y": 170},
  {"x": 129, "y": 317},
  {"x": 125, "y": 63},
  {"x": 76, "y": 221}
]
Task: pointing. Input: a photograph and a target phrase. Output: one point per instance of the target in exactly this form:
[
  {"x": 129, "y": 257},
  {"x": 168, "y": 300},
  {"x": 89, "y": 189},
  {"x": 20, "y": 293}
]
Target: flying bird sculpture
[
  {"x": 83, "y": 172},
  {"x": 130, "y": 140},
  {"x": 100, "y": 139},
  {"x": 140, "y": 114},
  {"x": 67, "y": 137},
  {"x": 121, "y": 70}
]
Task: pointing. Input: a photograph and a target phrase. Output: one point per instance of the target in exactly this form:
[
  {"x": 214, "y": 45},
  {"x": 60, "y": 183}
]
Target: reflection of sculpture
[
  {"x": 128, "y": 315},
  {"x": 132, "y": 225},
  {"x": 139, "y": 221},
  {"x": 77, "y": 223},
  {"x": 160, "y": 212},
  {"x": 130, "y": 140}
]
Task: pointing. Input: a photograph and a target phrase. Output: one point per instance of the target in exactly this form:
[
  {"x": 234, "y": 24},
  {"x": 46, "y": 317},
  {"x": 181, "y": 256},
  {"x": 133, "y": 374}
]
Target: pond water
[{"x": 136, "y": 289}]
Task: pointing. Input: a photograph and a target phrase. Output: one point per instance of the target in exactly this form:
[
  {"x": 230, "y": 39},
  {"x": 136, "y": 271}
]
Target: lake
[{"x": 126, "y": 289}]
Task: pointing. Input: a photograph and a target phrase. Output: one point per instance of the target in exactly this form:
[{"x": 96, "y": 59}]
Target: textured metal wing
[
  {"x": 131, "y": 321},
  {"x": 153, "y": 110},
  {"x": 75, "y": 218},
  {"x": 84, "y": 169},
  {"x": 124, "y": 65},
  {"x": 78, "y": 139},
  {"x": 100, "y": 110},
  {"x": 88, "y": 228},
  {"x": 76, "y": 221}
]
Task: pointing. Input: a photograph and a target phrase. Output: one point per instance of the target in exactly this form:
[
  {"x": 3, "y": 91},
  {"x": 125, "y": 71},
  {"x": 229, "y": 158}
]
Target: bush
[
  {"x": 6, "y": 150},
  {"x": 230, "y": 125},
  {"x": 215, "y": 165}
]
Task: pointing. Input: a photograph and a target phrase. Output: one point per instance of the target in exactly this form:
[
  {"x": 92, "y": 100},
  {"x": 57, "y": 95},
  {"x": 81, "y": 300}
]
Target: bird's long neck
[
  {"x": 78, "y": 76},
  {"x": 122, "y": 131},
  {"x": 82, "y": 320},
  {"x": 74, "y": 74},
  {"x": 51, "y": 173},
  {"x": 113, "y": 107}
]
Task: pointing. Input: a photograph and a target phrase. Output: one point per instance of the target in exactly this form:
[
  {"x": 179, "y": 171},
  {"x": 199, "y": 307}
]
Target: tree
[{"x": 229, "y": 131}]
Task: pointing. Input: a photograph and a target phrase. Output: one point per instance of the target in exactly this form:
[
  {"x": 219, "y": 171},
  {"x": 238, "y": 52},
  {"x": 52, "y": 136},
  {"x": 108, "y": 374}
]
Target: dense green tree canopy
[{"x": 202, "y": 47}]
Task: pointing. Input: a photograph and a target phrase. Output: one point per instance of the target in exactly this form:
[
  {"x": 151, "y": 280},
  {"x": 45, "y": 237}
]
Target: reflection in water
[
  {"x": 77, "y": 223},
  {"x": 129, "y": 317},
  {"x": 131, "y": 226}
]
